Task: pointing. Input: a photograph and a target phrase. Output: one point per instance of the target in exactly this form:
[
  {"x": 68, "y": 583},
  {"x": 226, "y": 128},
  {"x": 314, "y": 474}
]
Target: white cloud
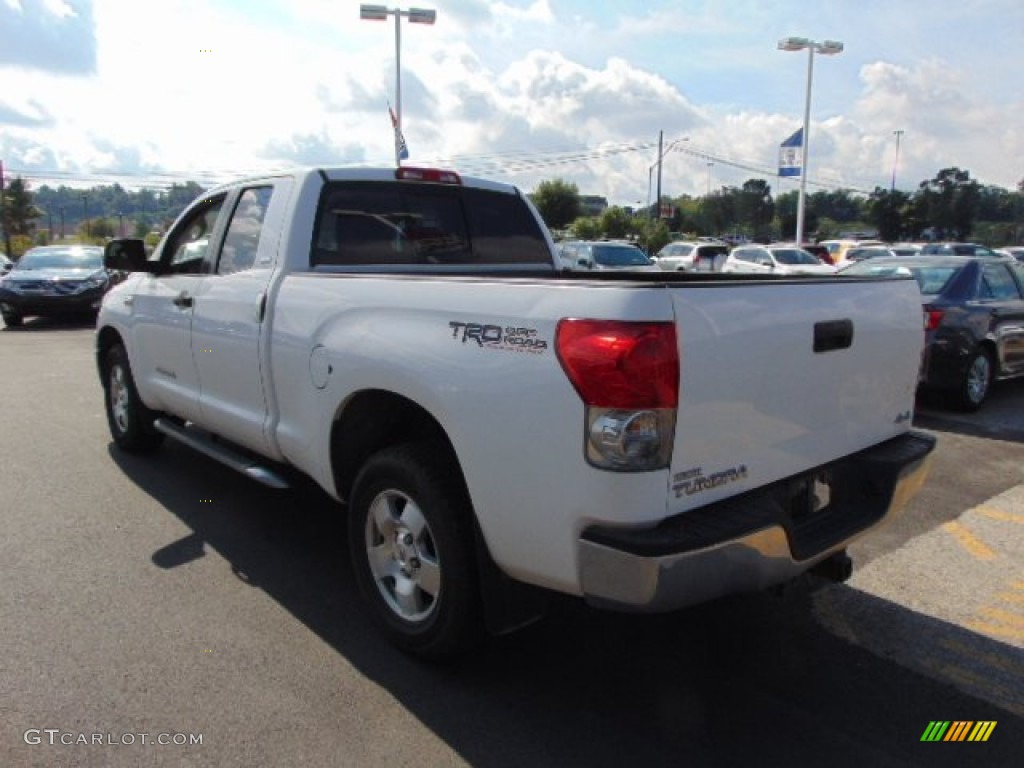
[{"x": 221, "y": 87}]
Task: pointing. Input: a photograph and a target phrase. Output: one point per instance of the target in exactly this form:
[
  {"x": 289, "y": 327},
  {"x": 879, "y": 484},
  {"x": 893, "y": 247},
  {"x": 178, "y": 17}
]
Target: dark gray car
[
  {"x": 54, "y": 280},
  {"x": 973, "y": 319}
]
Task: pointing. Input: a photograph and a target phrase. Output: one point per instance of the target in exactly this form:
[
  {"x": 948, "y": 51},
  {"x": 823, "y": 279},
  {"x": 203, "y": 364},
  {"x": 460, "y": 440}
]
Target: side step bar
[{"x": 204, "y": 443}]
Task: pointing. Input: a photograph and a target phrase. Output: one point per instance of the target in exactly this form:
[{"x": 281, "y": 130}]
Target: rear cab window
[{"x": 379, "y": 224}]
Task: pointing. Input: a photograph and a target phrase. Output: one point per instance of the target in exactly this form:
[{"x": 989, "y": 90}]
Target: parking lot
[{"x": 173, "y": 598}]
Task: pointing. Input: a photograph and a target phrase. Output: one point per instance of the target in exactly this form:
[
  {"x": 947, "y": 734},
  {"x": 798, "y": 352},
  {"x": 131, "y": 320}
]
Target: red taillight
[
  {"x": 932, "y": 318},
  {"x": 427, "y": 174},
  {"x": 618, "y": 364}
]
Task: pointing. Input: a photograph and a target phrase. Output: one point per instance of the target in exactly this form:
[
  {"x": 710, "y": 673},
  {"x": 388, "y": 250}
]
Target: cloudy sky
[{"x": 148, "y": 92}]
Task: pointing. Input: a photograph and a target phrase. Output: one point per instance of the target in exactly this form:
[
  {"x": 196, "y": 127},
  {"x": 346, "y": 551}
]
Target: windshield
[
  {"x": 61, "y": 258},
  {"x": 792, "y": 256},
  {"x": 620, "y": 256}
]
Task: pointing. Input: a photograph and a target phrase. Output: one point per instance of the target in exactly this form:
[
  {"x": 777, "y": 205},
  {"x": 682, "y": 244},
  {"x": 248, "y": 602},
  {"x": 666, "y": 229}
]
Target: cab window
[
  {"x": 186, "y": 249},
  {"x": 243, "y": 236}
]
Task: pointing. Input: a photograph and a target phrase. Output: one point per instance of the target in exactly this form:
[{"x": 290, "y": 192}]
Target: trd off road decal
[{"x": 509, "y": 338}]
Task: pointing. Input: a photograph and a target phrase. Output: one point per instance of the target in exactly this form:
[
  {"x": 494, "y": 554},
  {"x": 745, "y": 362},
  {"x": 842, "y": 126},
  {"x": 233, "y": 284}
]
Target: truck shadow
[{"x": 755, "y": 680}]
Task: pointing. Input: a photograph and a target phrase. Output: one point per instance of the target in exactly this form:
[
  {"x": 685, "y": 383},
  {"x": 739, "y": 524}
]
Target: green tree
[
  {"x": 558, "y": 202},
  {"x": 654, "y": 235},
  {"x": 586, "y": 228},
  {"x": 950, "y": 203},
  {"x": 18, "y": 213},
  {"x": 885, "y": 211},
  {"x": 615, "y": 222},
  {"x": 755, "y": 208}
]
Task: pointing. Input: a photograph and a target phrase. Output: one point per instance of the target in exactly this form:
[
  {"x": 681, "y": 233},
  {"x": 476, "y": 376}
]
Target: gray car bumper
[{"x": 755, "y": 540}]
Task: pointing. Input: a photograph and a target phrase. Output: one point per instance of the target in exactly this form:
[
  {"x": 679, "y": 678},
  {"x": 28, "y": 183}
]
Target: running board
[{"x": 238, "y": 461}]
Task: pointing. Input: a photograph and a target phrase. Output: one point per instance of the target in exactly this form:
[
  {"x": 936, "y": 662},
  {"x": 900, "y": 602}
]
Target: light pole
[
  {"x": 415, "y": 16},
  {"x": 896, "y": 162},
  {"x": 829, "y": 48},
  {"x": 710, "y": 166},
  {"x": 657, "y": 164}
]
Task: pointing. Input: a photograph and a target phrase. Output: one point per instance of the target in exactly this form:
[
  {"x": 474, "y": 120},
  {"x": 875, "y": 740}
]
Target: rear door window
[
  {"x": 400, "y": 223},
  {"x": 997, "y": 283}
]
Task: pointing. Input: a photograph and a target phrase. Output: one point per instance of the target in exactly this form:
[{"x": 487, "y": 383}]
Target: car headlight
[{"x": 98, "y": 280}]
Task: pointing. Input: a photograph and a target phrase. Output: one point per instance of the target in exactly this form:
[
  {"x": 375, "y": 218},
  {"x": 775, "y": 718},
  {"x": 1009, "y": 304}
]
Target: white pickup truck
[{"x": 498, "y": 428}]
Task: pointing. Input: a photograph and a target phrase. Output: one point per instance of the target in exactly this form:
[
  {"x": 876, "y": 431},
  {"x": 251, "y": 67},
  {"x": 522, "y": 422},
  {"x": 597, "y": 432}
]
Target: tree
[
  {"x": 615, "y": 222},
  {"x": 586, "y": 228},
  {"x": 885, "y": 210},
  {"x": 950, "y": 203},
  {"x": 558, "y": 202},
  {"x": 19, "y": 213},
  {"x": 754, "y": 207}
]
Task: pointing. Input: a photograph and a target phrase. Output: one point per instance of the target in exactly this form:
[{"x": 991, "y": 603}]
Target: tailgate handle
[{"x": 833, "y": 334}]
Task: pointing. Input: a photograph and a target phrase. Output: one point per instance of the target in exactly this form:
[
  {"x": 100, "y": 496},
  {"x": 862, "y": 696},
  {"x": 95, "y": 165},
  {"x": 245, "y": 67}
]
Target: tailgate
[{"x": 777, "y": 378}]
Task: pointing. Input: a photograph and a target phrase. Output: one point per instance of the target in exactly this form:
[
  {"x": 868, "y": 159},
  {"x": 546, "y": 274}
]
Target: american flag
[{"x": 401, "y": 148}]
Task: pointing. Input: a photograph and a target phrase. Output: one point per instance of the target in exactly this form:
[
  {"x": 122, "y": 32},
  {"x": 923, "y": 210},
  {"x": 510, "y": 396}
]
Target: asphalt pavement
[{"x": 170, "y": 599}]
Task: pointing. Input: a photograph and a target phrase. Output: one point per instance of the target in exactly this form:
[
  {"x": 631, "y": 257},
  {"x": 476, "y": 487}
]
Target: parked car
[
  {"x": 55, "y": 280},
  {"x": 676, "y": 257},
  {"x": 957, "y": 249},
  {"x": 974, "y": 320},
  {"x": 775, "y": 259},
  {"x": 602, "y": 254},
  {"x": 905, "y": 249},
  {"x": 869, "y": 252},
  {"x": 691, "y": 256},
  {"x": 838, "y": 248},
  {"x": 1016, "y": 251}
]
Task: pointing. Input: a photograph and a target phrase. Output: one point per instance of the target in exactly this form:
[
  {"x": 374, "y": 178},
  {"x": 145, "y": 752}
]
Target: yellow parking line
[
  {"x": 1004, "y": 617},
  {"x": 998, "y": 514},
  {"x": 996, "y": 630},
  {"x": 1010, "y": 597},
  {"x": 969, "y": 541}
]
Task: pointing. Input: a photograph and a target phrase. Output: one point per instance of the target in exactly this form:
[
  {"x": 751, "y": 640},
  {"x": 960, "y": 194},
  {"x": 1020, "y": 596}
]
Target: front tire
[
  {"x": 12, "y": 319},
  {"x": 130, "y": 421},
  {"x": 977, "y": 381},
  {"x": 411, "y": 542}
]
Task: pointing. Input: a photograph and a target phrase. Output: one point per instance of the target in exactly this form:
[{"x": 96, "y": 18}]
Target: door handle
[{"x": 183, "y": 300}]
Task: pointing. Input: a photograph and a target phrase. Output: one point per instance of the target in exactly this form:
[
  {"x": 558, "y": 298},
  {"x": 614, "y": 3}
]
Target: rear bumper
[{"x": 755, "y": 540}]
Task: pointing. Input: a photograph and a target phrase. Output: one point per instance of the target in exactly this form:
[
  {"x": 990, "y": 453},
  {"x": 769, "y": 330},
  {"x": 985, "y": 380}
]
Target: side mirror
[
  {"x": 584, "y": 263},
  {"x": 126, "y": 255}
]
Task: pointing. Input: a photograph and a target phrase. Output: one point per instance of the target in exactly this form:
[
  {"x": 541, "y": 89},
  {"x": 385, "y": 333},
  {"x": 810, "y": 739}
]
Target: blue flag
[{"x": 790, "y": 154}]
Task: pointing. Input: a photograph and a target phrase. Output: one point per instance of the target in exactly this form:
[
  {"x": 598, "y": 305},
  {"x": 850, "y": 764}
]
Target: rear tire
[
  {"x": 130, "y": 421},
  {"x": 411, "y": 542},
  {"x": 12, "y": 320},
  {"x": 977, "y": 381}
]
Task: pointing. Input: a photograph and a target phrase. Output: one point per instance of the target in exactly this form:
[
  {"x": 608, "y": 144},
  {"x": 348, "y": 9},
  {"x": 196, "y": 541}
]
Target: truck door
[
  {"x": 162, "y": 310},
  {"x": 228, "y": 319}
]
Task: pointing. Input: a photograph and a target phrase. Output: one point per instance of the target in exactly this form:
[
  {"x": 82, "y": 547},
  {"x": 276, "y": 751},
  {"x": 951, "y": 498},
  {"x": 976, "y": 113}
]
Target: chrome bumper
[{"x": 752, "y": 541}]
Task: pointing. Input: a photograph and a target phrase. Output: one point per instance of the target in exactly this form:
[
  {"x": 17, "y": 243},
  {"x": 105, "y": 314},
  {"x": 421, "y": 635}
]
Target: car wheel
[
  {"x": 12, "y": 320},
  {"x": 411, "y": 542},
  {"x": 130, "y": 421},
  {"x": 976, "y": 382}
]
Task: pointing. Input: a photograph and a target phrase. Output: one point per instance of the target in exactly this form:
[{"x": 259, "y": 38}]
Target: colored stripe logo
[{"x": 958, "y": 730}]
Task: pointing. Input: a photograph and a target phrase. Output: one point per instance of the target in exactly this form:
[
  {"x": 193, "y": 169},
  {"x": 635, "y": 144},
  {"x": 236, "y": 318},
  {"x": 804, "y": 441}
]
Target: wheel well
[
  {"x": 373, "y": 420},
  {"x": 106, "y": 339}
]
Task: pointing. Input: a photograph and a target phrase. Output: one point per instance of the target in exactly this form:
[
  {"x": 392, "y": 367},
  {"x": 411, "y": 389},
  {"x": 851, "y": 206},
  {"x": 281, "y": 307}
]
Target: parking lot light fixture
[
  {"x": 828, "y": 48},
  {"x": 415, "y": 16}
]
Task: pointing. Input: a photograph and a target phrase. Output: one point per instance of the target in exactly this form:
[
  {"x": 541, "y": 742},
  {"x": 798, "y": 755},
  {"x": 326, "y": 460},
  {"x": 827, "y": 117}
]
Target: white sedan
[{"x": 775, "y": 260}]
